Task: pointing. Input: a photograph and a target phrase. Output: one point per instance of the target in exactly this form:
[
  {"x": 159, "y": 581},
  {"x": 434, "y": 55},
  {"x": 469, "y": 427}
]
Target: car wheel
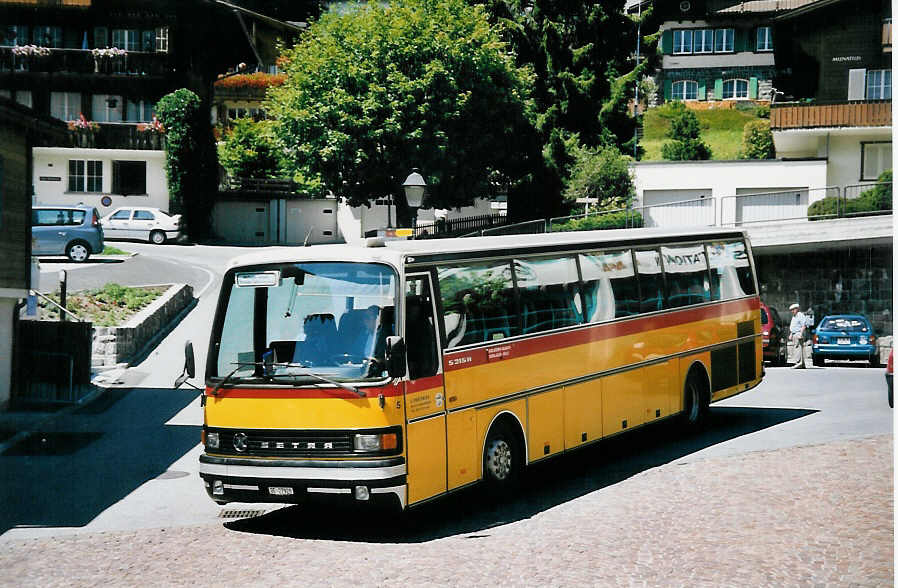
[
  {"x": 77, "y": 251},
  {"x": 503, "y": 460},
  {"x": 157, "y": 237},
  {"x": 818, "y": 360}
]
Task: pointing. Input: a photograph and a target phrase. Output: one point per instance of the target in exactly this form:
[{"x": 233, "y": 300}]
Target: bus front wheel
[
  {"x": 502, "y": 459},
  {"x": 696, "y": 401}
]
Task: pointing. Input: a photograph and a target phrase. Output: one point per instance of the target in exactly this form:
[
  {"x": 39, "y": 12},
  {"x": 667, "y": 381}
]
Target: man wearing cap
[{"x": 797, "y": 336}]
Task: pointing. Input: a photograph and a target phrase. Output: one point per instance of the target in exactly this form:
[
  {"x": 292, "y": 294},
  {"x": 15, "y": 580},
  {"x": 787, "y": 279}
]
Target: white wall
[
  {"x": 842, "y": 147},
  {"x": 53, "y": 162},
  {"x": 723, "y": 179}
]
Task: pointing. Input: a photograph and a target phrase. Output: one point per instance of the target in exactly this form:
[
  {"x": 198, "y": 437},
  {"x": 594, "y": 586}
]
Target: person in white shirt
[{"x": 798, "y": 336}]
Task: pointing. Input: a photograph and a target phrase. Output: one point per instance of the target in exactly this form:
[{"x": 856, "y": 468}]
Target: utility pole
[{"x": 636, "y": 93}]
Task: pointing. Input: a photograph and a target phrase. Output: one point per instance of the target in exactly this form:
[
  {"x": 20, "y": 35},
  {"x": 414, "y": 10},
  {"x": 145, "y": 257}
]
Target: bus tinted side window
[
  {"x": 549, "y": 293},
  {"x": 609, "y": 285},
  {"x": 651, "y": 280},
  {"x": 731, "y": 275},
  {"x": 686, "y": 271},
  {"x": 478, "y": 302}
]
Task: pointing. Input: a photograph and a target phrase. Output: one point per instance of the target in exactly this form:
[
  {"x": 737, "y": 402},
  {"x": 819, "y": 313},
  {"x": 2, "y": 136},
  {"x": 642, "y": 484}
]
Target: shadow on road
[
  {"x": 81, "y": 463},
  {"x": 545, "y": 486}
]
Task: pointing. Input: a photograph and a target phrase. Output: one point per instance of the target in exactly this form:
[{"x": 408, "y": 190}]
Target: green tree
[
  {"x": 581, "y": 55},
  {"x": 685, "y": 132},
  {"x": 602, "y": 173},
  {"x": 373, "y": 92},
  {"x": 250, "y": 150},
  {"x": 190, "y": 158},
  {"x": 757, "y": 140}
]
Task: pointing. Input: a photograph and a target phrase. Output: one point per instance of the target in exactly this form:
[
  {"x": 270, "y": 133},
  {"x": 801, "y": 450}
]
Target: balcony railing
[
  {"x": 82, "y": 61},
  {"x": 115, "y": 136},
  {"x": 847, "y": 114}
]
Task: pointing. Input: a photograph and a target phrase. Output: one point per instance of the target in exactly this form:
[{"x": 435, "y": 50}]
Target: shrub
[
  {"x": 763, "y": 112},
  {"x": 250, "y": 150},
  {"x": 686, "y": 134},
  {"x": 877, "y": 198},
  {"x": 757, "y": 140},
  {"x": 603, "y": 174},
  {"x": 609, "y": 220}
]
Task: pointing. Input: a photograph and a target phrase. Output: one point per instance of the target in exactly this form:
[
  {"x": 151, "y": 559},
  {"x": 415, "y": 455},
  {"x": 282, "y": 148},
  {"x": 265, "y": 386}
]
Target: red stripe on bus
[
  {"x": 370, "y": 392},
  {"x": 456, "y": 360},
  {"x": 427, "y": 383}
]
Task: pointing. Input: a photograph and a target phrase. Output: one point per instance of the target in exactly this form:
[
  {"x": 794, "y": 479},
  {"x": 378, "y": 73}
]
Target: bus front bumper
[{"x": 229, "y": 479}]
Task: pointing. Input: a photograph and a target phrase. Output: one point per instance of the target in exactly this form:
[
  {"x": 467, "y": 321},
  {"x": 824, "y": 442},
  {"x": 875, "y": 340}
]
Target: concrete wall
[
  {"x": 695, "y": 179},
  {"x": 6, "y": 342},
  {"x": 842, "y": 148},
  {"x": 831, "y": 281},
  {"x": 51, "y": 163}
]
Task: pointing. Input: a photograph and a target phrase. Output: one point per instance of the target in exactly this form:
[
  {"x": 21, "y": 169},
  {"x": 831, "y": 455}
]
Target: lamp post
[{"x": 414, "y": 187}]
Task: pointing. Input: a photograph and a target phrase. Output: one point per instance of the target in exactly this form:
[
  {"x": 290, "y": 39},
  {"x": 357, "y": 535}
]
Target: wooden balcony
[
  {"x": 846, "y": 114},
  {"x": 82, "y": 61}
]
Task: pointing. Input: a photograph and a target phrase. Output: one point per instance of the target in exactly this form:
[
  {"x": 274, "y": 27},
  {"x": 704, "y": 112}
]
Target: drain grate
[{"x": 240, "y": 513}]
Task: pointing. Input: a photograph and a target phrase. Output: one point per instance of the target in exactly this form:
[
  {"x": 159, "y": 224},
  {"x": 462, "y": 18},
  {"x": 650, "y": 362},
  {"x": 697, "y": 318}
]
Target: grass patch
[
  {"x": 110, "y": 306},
  {"x": 108, "y": 250},
  {"x": 721, "y": 130}
]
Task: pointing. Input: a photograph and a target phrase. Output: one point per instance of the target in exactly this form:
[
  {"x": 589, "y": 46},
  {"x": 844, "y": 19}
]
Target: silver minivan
[{"x": 73, "y": 231}]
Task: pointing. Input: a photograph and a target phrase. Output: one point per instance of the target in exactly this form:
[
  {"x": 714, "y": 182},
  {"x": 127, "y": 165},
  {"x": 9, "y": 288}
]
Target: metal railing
[
  {"x": 464, "y": 226},
  {"x": 83, "y": 61},
  {"x": 879, "y": 197},
  {"x": 784, "y": 205}
]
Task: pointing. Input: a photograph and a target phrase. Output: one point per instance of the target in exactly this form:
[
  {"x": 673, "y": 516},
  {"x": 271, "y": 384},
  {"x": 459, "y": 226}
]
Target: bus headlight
[
  {"x": 212, "y": 440},
  {"x": 380, "y": 442}
]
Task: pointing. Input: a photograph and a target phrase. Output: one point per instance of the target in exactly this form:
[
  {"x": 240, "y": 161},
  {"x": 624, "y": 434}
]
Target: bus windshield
[{"x": 328, "y": 318}]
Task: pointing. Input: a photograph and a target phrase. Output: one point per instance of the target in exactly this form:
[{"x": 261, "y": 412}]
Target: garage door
[
  {"x": 678, "y": 208},
  {"x": 774, "y": 203}
]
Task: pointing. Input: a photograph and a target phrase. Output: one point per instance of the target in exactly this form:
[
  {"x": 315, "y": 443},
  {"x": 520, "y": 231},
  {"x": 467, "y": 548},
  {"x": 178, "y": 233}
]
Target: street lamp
[{"x": 414, "y": 187}]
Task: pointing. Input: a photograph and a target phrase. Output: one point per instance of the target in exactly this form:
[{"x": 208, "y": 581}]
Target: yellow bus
[{"x": 403, "y": 371}]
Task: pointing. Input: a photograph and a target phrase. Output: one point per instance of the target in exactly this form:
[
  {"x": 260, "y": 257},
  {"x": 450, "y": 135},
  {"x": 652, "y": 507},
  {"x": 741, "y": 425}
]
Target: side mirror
[
  {"x": 189, "y": 365},
  {"x": 395, "y": 356}
]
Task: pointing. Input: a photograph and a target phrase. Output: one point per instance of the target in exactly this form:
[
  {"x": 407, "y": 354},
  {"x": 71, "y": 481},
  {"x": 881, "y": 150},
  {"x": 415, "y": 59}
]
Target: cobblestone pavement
[{"x": 804, "y": 516}]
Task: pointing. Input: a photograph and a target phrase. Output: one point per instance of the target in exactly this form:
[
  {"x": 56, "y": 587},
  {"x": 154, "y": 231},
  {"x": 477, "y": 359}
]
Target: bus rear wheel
[
  {"x": 696, "y": 401},
  {"x": 502, "y": 459}
]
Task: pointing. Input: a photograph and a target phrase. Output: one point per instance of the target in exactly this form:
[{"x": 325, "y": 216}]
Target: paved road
[{"x": 790, "y": 484}]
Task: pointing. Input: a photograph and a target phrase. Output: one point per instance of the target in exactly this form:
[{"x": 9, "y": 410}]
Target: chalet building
[
  {"x": 22, "y": 131},
  {"x": 101, "y": 66},
  {"x": 839, "y": 74}
]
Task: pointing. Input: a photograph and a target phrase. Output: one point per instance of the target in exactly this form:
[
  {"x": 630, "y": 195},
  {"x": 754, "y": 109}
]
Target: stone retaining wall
[{"x": 114, "y": 345}]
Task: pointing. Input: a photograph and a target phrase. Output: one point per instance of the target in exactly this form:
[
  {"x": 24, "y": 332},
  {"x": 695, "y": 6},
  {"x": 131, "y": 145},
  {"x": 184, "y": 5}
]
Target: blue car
[{"x": 845, "y": 336}]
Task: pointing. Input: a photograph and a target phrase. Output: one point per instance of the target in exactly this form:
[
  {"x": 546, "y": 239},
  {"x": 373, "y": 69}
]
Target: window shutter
[
  {"x": 668, "y": 89},
  {"x": 856, "y": 83},
  {"x": 702, "y": 92},
  {"x": 753, "y": 88},
  {"x": 718, "y": 89},
  {"x": 751, "y": 43},
  {"x": 667, "y": 42},
  {"x": 739, "y": 43}
]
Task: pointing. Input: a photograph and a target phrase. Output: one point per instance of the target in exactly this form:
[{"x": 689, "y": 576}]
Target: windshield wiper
[
  {"x": 306, "y": 372},
  {"x": 228, "y": 377}
]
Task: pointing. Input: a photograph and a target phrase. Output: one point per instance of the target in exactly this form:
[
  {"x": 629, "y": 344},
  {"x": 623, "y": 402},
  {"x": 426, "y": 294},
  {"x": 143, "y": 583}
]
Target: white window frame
[
  {"x": 703, "y": 41},
  {"x": 71, "y": 105},
  {"x": 878, "y": 84},
  {"x": 729, "y": 38},
  {"x": 161, "y": 39},
  {"x": 764, "y": 39},
  {"x": 735, "y": 85},
  {"x": 127, "y": 39},
  {"x": 88, "y": 179},
  {"x": 880, "y": 154},
  {"x": 145, "y": 110},
  {"x": 681, "y": 48},
  {"x": 684, "y": 86}
]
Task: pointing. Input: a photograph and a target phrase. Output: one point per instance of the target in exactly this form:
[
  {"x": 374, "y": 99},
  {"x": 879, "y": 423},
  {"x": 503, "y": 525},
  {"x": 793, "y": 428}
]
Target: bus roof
[
  {"x": 428, "y": 250},
  {"x": 440, "y": 249}
]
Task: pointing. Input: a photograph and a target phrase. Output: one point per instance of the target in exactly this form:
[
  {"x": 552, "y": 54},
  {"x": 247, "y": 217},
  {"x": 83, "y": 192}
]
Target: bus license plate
[
  {"x": 280, "y": 491},
  {"x": 843, "y": 341}
]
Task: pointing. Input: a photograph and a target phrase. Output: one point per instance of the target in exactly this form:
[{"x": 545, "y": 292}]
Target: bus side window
[
  {"x": 686, "y": 272},
  {"x": 549, "y": 292},
  {"x": 420, "y": 329},
  {"x": 651, "y": 280},
  {"x": 478, "y": 303},
  {"x": 609, "y": 285},
  {"x": 731, "y": 275}
]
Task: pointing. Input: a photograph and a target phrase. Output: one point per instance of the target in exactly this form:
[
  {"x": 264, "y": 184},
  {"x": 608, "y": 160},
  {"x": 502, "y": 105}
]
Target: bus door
[{"x": 424, "y": 394}]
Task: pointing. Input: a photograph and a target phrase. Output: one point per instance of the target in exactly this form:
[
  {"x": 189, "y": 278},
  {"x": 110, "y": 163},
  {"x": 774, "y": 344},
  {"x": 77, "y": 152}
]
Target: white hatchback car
[{"x": 141, "y": 222}]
